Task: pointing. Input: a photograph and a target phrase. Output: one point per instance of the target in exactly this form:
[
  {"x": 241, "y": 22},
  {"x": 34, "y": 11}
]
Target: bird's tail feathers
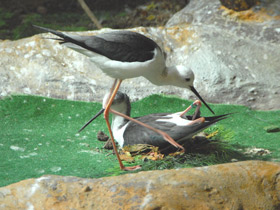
[
  {"x": 64, "y": 38},
  {"x": 208, "y": 122},
  {"x": 223, "y": 116}
]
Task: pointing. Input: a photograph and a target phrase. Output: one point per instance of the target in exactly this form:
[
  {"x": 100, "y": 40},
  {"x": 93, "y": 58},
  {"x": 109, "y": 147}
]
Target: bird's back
[
  {"x": 122, "y": 54},
  {"x": 124, "y": 46},
  {"x": 119, "y": 54}
]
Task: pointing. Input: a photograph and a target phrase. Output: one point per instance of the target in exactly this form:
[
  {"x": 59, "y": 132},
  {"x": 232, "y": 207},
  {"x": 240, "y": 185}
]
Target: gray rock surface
[
  {"x": 235, "y": 54},
  {"x": 235, "y": 61}
]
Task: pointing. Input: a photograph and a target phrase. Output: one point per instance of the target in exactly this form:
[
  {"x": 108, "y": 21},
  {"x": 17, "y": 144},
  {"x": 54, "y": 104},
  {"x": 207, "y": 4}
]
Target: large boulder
[
  {"x": 235, "y": 186},
  {"x": 41, "y": 66},
  {"x": 235, "y": 57}
]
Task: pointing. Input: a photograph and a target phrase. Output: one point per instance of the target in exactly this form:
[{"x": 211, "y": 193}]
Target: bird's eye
[{"x": 187, "y": 79}]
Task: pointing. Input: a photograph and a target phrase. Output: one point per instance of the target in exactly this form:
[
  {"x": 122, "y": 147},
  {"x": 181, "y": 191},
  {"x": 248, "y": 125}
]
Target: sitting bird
[{"x": 128, "y": 132}]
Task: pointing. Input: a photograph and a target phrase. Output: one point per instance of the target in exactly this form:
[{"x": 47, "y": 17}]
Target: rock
[
  {"x": 101, "y": 136},
  {"x": 109, "y": 145},
  {"x": 272, "y": 128},
  {"x": 257, "y": 151},
  {"x": 230, "y": 53},
  {"x": 233, "y": 53},
  {"x": 238, "y": 5},
  {"x": 235, "y": 186},
  {"x": 43, "y": 67}
]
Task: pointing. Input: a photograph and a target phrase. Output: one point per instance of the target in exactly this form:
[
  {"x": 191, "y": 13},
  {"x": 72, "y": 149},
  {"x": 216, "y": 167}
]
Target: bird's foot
[
  {"x": 196, "y": 104},
  {"x": 171, "y": 141},
  {"x": 199, "y": 120},
  {"x": 132, "y": 168}
]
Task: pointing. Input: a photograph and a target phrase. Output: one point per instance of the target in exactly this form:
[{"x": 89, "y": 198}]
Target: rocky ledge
[{"x": 235, "y": 186}]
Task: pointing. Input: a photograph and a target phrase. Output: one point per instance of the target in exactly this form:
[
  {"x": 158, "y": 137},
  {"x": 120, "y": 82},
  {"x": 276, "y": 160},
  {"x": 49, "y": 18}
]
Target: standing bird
[
  {"x": 181, "y": 129},
  {"x": 126, "y": 54}
]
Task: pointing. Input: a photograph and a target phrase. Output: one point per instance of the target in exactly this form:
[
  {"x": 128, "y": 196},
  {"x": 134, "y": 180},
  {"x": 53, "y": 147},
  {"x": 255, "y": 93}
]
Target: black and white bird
[
  {"x": 180, "y": 128},
  {"x": 177, "y": 127},
  {"x": 126, "y": 54}
]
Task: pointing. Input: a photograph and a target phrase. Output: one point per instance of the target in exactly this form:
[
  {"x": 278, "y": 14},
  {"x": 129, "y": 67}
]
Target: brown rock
[
  {"x": 238, "y": 5},
  {"x": 240, "y": 185},
  {"x": 108, "y": 144},
  {"x": 101, "y": 136}
]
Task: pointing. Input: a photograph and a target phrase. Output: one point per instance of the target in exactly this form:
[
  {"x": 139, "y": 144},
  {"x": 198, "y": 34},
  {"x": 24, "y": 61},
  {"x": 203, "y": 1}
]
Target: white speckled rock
[
  {"x": 43, "y": 67},
  {"x": 235, "y": 57}
]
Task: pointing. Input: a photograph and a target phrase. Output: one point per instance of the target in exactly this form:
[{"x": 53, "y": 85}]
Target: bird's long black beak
[
  {"x": 95, "y": 116},
  {"x": 200, "y": 98}
]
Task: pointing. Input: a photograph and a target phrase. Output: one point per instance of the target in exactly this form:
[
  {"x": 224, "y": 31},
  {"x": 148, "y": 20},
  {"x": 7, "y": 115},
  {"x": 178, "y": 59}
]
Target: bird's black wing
[
  {"x": 125, "y": 46},
  {"x": 137, "y": 134}
]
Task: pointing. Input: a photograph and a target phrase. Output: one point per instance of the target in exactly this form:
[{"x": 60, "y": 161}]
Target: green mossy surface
[{"x": 38, "y": 136}]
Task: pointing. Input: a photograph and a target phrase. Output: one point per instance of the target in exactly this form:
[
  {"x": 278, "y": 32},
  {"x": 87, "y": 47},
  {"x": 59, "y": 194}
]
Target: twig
[{"x": 90, "y": 13}]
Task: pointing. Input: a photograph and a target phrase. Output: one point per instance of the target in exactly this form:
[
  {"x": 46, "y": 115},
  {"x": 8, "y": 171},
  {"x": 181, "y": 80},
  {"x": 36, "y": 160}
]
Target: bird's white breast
[
  {"x": 118, "y": 133},
  {"x": 124, "y": 70}
]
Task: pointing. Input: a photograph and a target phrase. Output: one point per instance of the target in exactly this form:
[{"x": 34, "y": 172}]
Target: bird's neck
[
  {"x": 169, "y": 76},
  {"x": 118, "y": 121}
]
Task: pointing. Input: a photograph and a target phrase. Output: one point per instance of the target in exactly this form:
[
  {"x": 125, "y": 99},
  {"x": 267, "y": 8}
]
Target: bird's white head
[
  {"x": 179, "y": 76},
  {"x": 182, "y": 76},
  {"x": 186, "y": 76},
  {"x": 121, "y": 103}
]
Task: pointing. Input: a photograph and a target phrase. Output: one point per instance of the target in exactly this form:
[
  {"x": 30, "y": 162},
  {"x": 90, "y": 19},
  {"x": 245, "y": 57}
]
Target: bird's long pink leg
[
  {"x": 112, "y": 95},
  {"x": 115, "y": 88},
  {"x": 199, "y": 120},
  {"x": 196, "y": 104}
]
